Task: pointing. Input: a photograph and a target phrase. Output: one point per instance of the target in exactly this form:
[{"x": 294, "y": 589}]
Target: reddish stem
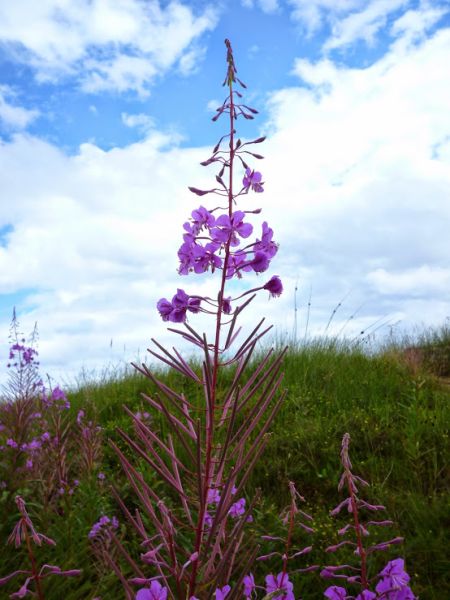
[
  {"x": 34, "y": 570},
  {"x": 361, "y": 550},
  {"x": 215, "y": 366}
]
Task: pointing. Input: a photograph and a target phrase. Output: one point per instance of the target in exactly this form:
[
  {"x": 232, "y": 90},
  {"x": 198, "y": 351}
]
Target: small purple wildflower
[
  {"x": 175, "y": 311},
  {"x": 394, "y": 582},
  {"x": 213, "y": 496},
  {"x": 208, "y": 520},
  {"x": 335, "y": 592},
  {"x": 266, "y": 244},
  {"x": 155, "y": 592},
  {"x": 260, "y": 262},
  {"x": 274, "y": 286},
  {"x": 237, "y": 509},
  {"x": 366, "y": 595},
  {"x": 249, "y": 585},
  {"x": 252, "y": 179},
  {"x": 201, "y": 218},
  {"x": 103, "y": 522},
  {"x": 227, "y": 228},
  {"x": 58, "y": 394},
  {"x": 280, "y": 582},
  {"x": 222, "y": 593},
  {"x": 226, "y": 305}
]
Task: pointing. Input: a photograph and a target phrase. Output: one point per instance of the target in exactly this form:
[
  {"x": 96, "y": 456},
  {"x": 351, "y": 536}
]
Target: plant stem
[
  {"x": 361, "y": 550},
  {"x": 215, "y": 366},
  {"x": 34, "y": 569}
]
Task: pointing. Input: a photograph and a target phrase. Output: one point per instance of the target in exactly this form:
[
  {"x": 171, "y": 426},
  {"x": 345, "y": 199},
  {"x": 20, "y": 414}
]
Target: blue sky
[{"x": 105, "y": 113}]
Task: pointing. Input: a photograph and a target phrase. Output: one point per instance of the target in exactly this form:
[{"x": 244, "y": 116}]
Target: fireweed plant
[
  {"x": 24, "y": 531},
  {"x": 198, "y": 547},
  {"x": 392, "y": 581},
  {"x": 36, "y": 435}
]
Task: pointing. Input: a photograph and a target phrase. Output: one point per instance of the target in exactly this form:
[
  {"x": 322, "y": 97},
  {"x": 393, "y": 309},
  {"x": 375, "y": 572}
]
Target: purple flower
[
  {"x": 236, "y": 263},
  {"x": 274, "y": 286},
  {"x": 266, "y": 244},
  {"x": 366, "y": 595},
  {"x": 103, "y": 522},
  {"x": 260, "y": 262},
  {"x": 249, "y": 585},
  {"x": 35, "y": 444},
  {"x": 252, "y": 179},
  {"x": 226, "y": 305},
  {"x": 394, "y": 582},
  {"x": 213, "y": 496},
  {"x": 155, "y": 592},
  {"x": 227, "y": 228},
  {"x": 222, "y": 593},
  {"x": 208, "y": 520},
  {"x": 395, "y": 570},
  {"x": 201, "y": 218},
  {"x": 165, "y": 308},
  {"x": 280, "y": 582},
  {"x": 11, "y": 443},
  {"x": 187, "y": 257},
  {"x": 205, "y": 257},
  {"x": 58, "y": 394},
  {"x": 335, "y": 593},
  {"x": 237, "y": 509},
  {"x": 175, "y": 311}
]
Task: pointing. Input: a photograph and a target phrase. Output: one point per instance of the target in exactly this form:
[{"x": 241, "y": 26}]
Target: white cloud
[
  {"x": 108, "y": 45},
  {"x": 363, "y": 25},
  {"x": 267, "y": 6},
  {"x": 313, "y": 14},
  {"x": 359, "y": 161},
  {"x": 416, "y": 282},
  {"x": 122, "y": 73},
  {"x": 190, "y": 61},
  {"x": 13, "y": 116},
  {"x": 140, "y": 120},
  {"x": 413, "y": 24},
  {"x": 353, "y": 20}
]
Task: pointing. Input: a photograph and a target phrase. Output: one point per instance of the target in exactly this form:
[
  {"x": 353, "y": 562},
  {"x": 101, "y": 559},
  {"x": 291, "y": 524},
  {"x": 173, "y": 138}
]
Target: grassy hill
[{"x": 395, "y": 405}]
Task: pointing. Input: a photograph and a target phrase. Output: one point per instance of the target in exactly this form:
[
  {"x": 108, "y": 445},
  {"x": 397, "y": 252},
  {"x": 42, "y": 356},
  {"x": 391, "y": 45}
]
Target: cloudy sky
[{"x": 105, "y": 114}]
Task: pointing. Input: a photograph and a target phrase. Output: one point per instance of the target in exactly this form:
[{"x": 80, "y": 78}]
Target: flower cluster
[
  {"x": 175, "y": 311},
  {"x": 214, "y": 240},
  {"x": 211, "y": 243},
  {"x": 236, "y": 510},
  {"x": 392, "y": 585},
  {"x": 22, "y": 355},
  {"x": 57, "y": 398},
  {"x": 103, "y": 523}
]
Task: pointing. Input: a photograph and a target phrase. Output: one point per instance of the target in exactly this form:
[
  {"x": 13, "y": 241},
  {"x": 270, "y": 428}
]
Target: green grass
[{"x": 396, "y": 413}]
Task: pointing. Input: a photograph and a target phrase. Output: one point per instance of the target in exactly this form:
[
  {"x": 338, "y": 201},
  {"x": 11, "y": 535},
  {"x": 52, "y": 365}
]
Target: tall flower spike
[
  {"x": 209, "y": 443},
  {"x": 24, "y": 531},
  {"x": 360, "y": 528}
]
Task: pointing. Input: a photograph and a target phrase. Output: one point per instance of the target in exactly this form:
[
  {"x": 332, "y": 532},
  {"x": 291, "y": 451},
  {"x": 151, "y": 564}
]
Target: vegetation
[{"x": 397, "y": 414}]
